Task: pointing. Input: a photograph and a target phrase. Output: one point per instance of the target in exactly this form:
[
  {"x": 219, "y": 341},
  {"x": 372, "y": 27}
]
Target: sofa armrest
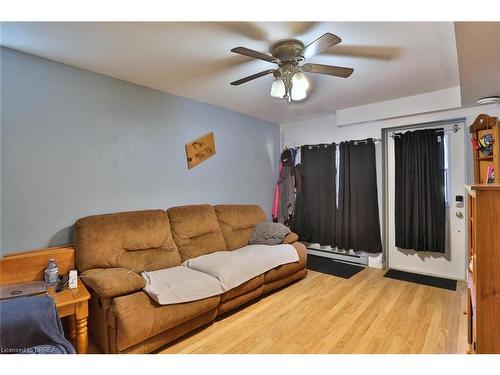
[
  {"x": 113, "y": 282},
  {"x": 290, "y": 238}
]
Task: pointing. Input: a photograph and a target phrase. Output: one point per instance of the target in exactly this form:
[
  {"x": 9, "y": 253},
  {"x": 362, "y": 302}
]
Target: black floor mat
[
  {"x": 416, "y": 278},
  {"x": 331, "y": 267}
]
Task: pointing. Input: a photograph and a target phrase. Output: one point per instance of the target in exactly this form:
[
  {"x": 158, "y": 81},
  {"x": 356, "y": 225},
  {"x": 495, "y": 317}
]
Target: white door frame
[{"x": 386, "y": 132}]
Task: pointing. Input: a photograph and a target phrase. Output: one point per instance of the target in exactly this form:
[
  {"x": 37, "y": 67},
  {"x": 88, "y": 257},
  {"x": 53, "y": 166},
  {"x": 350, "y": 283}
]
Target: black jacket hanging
[{"x": 300, "y": 220}]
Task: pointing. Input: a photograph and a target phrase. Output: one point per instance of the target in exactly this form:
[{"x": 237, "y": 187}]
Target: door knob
[{"x": 459, "y": 214}]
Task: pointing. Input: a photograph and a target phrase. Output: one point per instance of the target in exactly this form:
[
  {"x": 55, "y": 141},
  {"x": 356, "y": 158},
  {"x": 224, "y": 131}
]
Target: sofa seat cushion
[
  {"x": 233, "y": 303},
  {"x": 136, "y": 317},
  {"x": 287, "y": 269},
  {"x": 237, "y": 222},
  {"x": 233, "y": 268},
  {"x": 196, "y": 230},
  {"x": 246, "y": 287},
  {"x": 180, "y": 284}
]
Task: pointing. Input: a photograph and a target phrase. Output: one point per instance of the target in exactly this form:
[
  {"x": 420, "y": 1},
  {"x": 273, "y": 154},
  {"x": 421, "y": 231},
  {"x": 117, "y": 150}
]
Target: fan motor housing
[{"x": 288, "y": 50}]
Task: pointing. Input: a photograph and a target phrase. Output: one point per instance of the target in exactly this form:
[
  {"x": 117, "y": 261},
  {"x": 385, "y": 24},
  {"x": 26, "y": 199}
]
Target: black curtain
[
  {"x": 315, "y": 208},
  {"x": 420, "y": 210},
  {"x": 358, "y": 223}
]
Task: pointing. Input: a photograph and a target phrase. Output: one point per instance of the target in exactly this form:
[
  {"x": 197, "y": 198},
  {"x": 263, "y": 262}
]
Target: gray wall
[{"x": 76, "y": 143}]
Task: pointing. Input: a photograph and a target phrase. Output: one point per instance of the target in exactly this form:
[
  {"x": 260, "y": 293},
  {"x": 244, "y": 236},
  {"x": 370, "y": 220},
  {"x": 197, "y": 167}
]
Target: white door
[{"x": 452, "y": 264}]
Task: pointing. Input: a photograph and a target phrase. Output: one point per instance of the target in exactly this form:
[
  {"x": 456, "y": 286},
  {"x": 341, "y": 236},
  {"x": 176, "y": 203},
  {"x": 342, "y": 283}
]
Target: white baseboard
[
  {"x": 365, "y": 259},
  {"x": 375, "y": 263}
]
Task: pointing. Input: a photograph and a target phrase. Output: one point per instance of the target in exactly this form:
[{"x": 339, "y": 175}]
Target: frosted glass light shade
[
  {"x": 278, "y": 89},
  {"x": 298, "y": 94},
  {"x": 299, "y": 86},
  {"x": 300, "y": 81}
]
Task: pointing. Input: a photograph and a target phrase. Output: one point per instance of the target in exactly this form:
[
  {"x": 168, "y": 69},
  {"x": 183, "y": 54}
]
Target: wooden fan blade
[
  {"x": 215, "y": 67},
  {"x": 365, "y": 52},
  {"x": 324, "y": 42},
  {"x": 246, "y": 29},
  {"x": 301, "y": 28},
  {"x": 337, "y": 71},
  {"x": 255, "y": 54},
  {"x": 253, "y": 76}
]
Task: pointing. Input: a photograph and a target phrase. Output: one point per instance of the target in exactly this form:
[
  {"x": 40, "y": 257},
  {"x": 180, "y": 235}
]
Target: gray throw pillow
[{"x": 268, "y": 233}]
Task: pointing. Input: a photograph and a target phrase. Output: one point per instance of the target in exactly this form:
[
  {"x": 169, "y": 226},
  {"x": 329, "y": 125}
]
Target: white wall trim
[{"x": 411, "y": 105}]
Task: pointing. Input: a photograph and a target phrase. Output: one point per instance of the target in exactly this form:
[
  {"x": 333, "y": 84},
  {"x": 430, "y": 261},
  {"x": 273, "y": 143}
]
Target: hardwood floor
[{"x": 325, "y": 314}]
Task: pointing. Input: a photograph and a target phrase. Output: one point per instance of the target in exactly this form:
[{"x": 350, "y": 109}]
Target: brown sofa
[{"x": 112, "y": 250}]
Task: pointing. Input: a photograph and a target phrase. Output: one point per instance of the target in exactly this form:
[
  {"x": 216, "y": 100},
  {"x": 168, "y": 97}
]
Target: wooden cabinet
[
  {"x": 486, "y": 125},
  {"x": 71, "y": 304},
  {"x": 483, "y": 292}
]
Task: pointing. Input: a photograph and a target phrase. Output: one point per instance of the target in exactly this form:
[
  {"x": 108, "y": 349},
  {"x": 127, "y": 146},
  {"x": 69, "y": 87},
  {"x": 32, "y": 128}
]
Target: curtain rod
[
  {"x": 326, "y": 145},
  {"x": 455, "y": 129}
]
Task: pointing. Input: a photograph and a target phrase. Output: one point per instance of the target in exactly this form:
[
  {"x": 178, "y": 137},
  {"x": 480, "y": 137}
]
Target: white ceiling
[{"x": 193, "y": 59}]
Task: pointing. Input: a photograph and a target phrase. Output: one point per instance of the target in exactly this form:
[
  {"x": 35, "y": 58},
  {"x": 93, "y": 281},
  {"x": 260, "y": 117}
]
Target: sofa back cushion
[
  {"x": 237, "y": 223},
  {"x": 137, "y": 240},
  {"x": 196, "y": 230}
]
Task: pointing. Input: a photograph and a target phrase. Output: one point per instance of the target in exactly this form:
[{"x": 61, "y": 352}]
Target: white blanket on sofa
[
  {"x": 180, "y": 284},
  {"x": 233, "y": 268}
]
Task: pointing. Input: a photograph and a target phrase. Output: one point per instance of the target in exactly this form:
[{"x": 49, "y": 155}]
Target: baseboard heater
[{"x": 328, "y": 252}]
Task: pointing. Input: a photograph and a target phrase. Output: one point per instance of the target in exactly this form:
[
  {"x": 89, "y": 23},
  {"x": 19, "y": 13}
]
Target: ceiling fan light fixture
[
  {"x": 278, "y": 88},
  {"x": 300, "y": 84},
  {"x": 300, "y": 81},
  {"x": 290, "y": 83},
  {"x": 298, "y": 94}
]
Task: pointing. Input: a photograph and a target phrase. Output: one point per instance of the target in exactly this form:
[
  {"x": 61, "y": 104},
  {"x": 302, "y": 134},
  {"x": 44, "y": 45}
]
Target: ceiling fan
[{"x": 290, "y": 83}]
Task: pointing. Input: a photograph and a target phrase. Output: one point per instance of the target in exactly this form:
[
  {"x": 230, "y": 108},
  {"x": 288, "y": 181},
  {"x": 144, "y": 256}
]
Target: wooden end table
[{"x": 73, "y": 304}]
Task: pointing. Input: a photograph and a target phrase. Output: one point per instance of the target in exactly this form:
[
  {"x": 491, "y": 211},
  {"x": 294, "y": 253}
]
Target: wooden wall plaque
[{"x": 200, "y": 150}]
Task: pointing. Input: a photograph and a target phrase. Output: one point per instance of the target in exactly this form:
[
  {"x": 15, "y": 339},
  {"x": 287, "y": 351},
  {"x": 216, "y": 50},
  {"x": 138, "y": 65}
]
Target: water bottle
[{"x": 51, "y": 273}]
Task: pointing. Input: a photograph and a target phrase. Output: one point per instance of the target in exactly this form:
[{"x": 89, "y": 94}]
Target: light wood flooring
[{"x": 325, "y": 314}]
